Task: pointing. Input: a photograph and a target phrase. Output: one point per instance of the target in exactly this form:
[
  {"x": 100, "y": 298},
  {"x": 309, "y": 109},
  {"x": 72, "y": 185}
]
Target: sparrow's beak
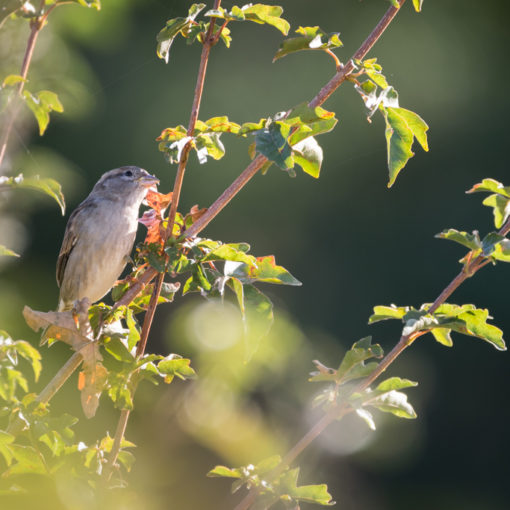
[{"x": 148, "y": 181}]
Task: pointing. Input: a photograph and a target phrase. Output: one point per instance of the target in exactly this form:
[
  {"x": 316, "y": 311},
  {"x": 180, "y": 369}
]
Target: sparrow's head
[{"x": 127, "y": 183}]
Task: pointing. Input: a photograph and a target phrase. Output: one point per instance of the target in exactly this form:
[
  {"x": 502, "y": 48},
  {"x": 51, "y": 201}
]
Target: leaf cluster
[{"x": 271, "y": 489}]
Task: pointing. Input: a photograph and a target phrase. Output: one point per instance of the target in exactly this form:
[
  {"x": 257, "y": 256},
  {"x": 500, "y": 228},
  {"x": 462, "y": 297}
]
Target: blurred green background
[{"x": 352, "y": 242}]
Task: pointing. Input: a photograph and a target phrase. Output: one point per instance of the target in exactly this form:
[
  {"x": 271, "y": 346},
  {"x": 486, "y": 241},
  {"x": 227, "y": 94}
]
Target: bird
[{"x": 100, "y": 234}]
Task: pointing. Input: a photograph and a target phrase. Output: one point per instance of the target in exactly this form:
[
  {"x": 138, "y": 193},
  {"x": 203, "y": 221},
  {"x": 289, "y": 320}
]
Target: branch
[
  {"x": 36, "y": 25},
  {"x": 405, "y": 341},
  {"x": 150, "y": 273},
  {"x": 318, "y": 100}
]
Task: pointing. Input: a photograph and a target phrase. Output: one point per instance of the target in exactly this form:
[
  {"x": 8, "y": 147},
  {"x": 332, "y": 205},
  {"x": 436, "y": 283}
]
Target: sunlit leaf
[
  {"x": 41, "y": 104},
  {"x": 402, "y": 126},
  {"x": 310, "y": 38},
  {"x": 308, "y": 155},
  {"x": 417, "y": 5},
  {"x": 42, "y": 184},
  {"x": 471, "y": 241},
  {"x": 5, "y": 252},
  {"x": 173, "y": 27}
]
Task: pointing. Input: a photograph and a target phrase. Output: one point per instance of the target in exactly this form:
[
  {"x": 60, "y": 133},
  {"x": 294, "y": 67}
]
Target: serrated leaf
[
  {"x": 311, "y": 38},
  {"x": 43, "y": 184},
  {"x": 266, "y": 270},
  {"x": 174, "y": 365},
  {"x": 209, "y": 145},
  {"x": 394, "y": 402},
  {"x": 308, "y": 155},
  {"x": 471, "y": 321},
  {"x": 500, "y": 208},
  {"x": 382, "y": 313},
  {"x": 352, "y": 365},
  {"x": 317, "y": 494},
  {"x": 5, "y": 440},
  {"x": 402, "y": 126},
  {"x": 395, "y": 383},
  {"x": 230, "y": 252},
  {"x": 442, "y": 335},
  {"x": 269, "y": 14},
  {"x": 471, "y": 241},
  {"x": 223, "y": 471},
  {"x": 41, "y": 104},
  {"x": 167, "y": 35},
  {"x": 31, "y": 354},
  {"x": 271, "y": 142},
  {"x": 28, "y": 461},
  {"x": 491, "y": 186}
]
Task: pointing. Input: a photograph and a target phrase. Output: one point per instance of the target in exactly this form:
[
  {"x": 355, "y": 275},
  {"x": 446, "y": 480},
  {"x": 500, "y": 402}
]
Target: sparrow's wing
[{"x": 79, "y": 215}]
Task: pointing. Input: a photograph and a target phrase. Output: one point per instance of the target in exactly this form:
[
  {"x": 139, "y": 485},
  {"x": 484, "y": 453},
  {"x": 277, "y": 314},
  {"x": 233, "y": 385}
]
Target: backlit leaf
[{"x": 43, "y": 184}]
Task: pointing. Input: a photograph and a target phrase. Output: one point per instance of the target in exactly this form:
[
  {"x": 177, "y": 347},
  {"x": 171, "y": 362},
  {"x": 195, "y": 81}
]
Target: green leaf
[
  {"x": 471, "y": 241},
  {"x": 174, "y": 365},
  {"x": 173, "y": 27},
  {"x": 470, "y": 321},
  {"x": 417, "y": 5},
  {"x": 353, "y": 366},
  {"x": 309, "y": 122},
  {"x": 387, "y": 398},
  {"x": 6, "y": 252},
  {"x": 269, "y": 14},
  {"x": 442, "y": 335},
  {"x": 395, "y": 383},
  {"x": 5, "y": 440},
  {"x": 382, "y": 313},
  {"x": 271, "y": 142},
  {"x": 374, "y": 71},
  {"x": 27, "y": 459},
  {"x": 217, "y": 125},
  {"x": 41, "y": 104},
  {"x": 31, "y": 354},
  {"x": 491, "y": 186},
  {"x": 311, "y": 38},
  {"x": 209, "y": 145},
  {"x": 268, "y": 271},
  {"x": 12, "y": 79},
  {"x": 490, "y": 243},
  {"x": 402, "y": 126},
  {"x": 223, "y": 471},
  {"x": 308, "y": 155},
  {"x": 395, "y": 3},
  {"x": 317, "y": 494},
  {"x": 499, "y": 200},
  {"x": 230, "y": 252},
  {"x": 250, "y": 127},
  {"x": 44, "y": 185},
  {"x": 500, "y": 208}
]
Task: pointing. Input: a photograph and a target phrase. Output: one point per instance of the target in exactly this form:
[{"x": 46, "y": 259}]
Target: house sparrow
[{"x": 100, "y": 234}]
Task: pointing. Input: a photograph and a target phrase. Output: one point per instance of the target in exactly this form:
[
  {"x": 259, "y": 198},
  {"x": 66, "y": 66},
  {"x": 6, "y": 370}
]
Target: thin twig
[{"x": 51, "y": 388}]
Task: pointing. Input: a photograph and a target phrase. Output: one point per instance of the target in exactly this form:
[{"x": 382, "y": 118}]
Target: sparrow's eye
[{"x": 128, "y": 173}]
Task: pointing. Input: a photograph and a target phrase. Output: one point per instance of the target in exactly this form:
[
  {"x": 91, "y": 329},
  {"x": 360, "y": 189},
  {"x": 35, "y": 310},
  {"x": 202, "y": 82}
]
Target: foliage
[{"x": 109, "y": 341}]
